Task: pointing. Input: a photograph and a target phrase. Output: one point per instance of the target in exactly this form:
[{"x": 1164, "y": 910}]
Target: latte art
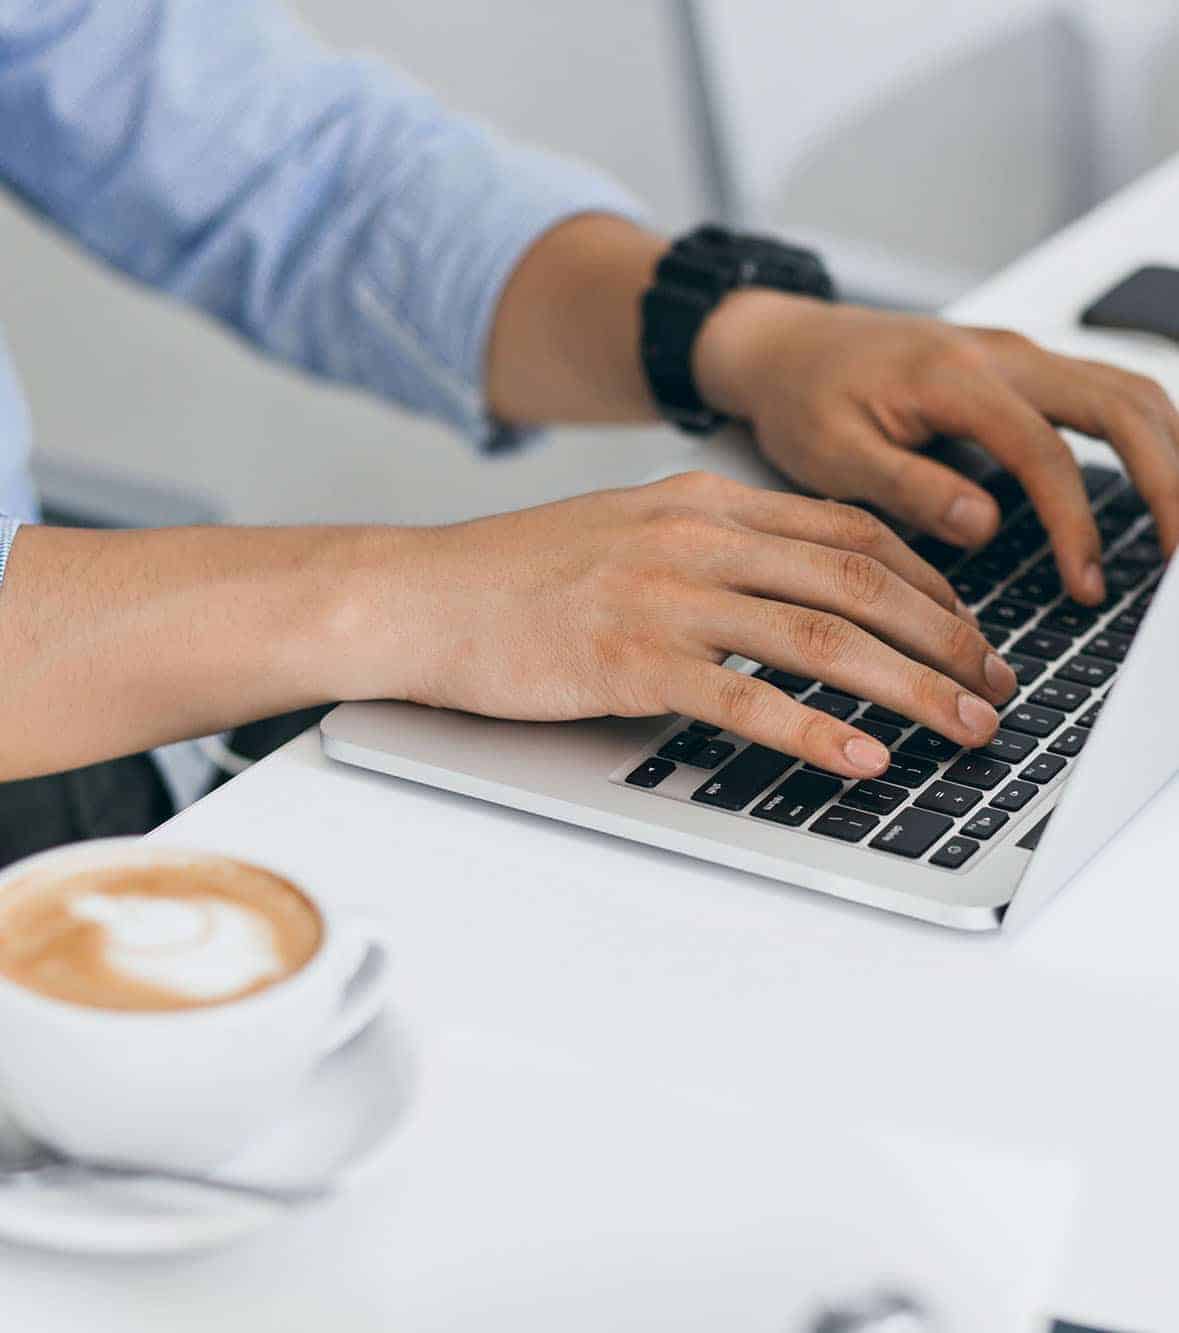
[
  {"x": 171, "y": 934},
  {"x": 204, "y": 948}
]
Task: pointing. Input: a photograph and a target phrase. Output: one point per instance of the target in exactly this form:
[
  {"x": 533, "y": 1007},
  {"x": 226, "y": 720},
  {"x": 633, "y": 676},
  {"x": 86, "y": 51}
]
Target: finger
[
  {"x": 864, "y": 590},
  {"x": 847, "y": 528},
  {"x": 832, "y": 649},
  {"x": 989, "y": 411},
  {"x": 751, "y": 708},
  {"x": 918, "y": 491},
  {"x": 1133, "y": 413}
]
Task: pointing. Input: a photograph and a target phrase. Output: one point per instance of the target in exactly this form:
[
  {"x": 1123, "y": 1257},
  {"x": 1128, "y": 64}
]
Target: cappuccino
[{"x": 167, "y": 935}]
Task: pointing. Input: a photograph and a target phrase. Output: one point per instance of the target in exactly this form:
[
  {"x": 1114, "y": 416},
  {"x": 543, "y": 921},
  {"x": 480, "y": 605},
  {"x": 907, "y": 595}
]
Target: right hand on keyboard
[{"x": 627, "y": 602}]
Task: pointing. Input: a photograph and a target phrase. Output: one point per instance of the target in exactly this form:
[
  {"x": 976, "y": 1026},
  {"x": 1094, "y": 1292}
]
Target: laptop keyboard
[{"x": 937, "y": 802}]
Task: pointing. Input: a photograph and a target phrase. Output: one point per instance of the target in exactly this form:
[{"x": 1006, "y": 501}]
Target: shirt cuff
[{"x": 8, "y": 527}]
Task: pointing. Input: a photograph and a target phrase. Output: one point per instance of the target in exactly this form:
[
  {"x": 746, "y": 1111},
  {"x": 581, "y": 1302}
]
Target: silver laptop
[{"x": 970, "y": 839}]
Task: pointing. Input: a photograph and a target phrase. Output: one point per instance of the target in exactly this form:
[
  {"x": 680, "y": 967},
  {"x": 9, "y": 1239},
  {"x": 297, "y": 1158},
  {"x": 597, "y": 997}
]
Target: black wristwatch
[{"x": 692, "y": 279}]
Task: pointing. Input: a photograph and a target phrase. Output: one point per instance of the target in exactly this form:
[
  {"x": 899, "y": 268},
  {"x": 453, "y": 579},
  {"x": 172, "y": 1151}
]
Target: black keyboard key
[
  {"x": 1033, "y": 720},
  {"x": 1044, "y": 644},
  {"x": 1007, "y": 492},
  {"x": 1089, "y": 717},
  {"x": 651, "y": 773},
  {"x": 1015, "y": 795},
  {"x": 838, "y": 705},
  {"x": 1037, "y": 588},
  {"x": 743, "y": 778},
  {"x": 705, "y": 728},
  {"x": 712, "y": 755},
  {"x": 954, "y": 852},
  {"x": 941, "y": 555},
  {"x": 1061, "y": 694},
  {"x": 1120, "y": 578},
  {"x": 880, "y": 714},
  {"x": 1097, "y": 479},
  {"x": 1127, "y": 623},
  {"x": 929, "y": 745},
  {"x": 909, "y": 770},
  {"x": 949, "y": 799},
  {"x": 912, "y": 833},
  {"x": 798, "y": 798},
  {"x": 880, "y": 731},
  {"x": 1113, "y": 647},
  {"x": 1111, "y": 526},
  {"x": 1006, "y": 614},
  {"x": 784, "y": 680},
  {"x": 1070, "y": 618},
  {"x": 1043, "y": 768},
  {"x": 1087, "y": 670},
  {"x": 1026, "y": 669},
  {"x": 846, "y": 824},
  {"x": 1008, "y": 746},
  {"x": 976, "y": 575},
  {"x": 1141, "y": 551},
  {"x": 971, "y": 589},
  {"x": 682, "y": 746},
  {"x": 996, "y": 635},
  {"x": 878, "y": 797},
  {"x": 1126, "y": 502},
  {"x": 976, "y": 770},
  {"x": 1070, "y": 742},
  {"x": 985, "y": 824}
]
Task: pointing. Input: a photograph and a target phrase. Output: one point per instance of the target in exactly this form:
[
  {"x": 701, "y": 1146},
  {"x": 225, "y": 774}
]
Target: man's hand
[
  {"x": 839, "y": 397},
  {"x": 627, "y": 602}
]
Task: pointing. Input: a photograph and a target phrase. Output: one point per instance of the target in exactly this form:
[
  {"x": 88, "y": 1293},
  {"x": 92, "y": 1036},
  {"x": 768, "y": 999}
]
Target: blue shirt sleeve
[{"x": 323, "y": 205}]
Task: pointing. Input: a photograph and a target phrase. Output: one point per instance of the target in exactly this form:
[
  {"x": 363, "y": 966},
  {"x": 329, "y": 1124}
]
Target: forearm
[
  {"x": 114, "y": 642},
  {"x": 565, "y": 342}
]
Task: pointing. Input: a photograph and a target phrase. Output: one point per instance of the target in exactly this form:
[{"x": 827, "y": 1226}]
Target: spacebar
[{"x": 743, "y": 778}]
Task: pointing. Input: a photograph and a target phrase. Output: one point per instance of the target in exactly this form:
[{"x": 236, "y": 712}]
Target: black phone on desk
[{"x": 1146, "y": 302}]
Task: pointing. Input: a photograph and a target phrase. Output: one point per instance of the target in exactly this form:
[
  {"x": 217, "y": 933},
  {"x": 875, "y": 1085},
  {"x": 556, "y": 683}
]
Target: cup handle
[{"x": 367, "y": 978}]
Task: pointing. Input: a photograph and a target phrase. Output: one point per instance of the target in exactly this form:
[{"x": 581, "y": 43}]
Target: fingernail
[
  {"x": 976, "y": 713},
  {"x": 965, "y": 612},
  {"x": 865, "y": 754},
  {"x": 1092, "y": 581},
  {"x": 999, "y": 675},
  {"x": 971, "y": 518}
]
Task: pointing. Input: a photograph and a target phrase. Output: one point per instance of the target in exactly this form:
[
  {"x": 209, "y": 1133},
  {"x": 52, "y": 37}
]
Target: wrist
[
  {"x": 738, "y": 347},
  {"x": 370, "y": 603}
]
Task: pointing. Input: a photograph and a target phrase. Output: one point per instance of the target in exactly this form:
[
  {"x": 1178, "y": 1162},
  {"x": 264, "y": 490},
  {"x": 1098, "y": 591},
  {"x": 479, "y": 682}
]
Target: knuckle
[
  {"x": 1008, "y": 340},
  {"x": 680, "y": 531},
  {"x": 812, "y": 733},
  {"x": 695, "y": 487},
  {"x": 1152, "y": 397},
  {"x": 745, "y": 702},
  {"x": 855, "y": 528},
  {"x": 930, "y": 690},
  {"x": 964, "y": 351},
  {"x": 818, "y": 637},
  {"x": 861, "y": 577},
  {"x": 961, "y": 640}
]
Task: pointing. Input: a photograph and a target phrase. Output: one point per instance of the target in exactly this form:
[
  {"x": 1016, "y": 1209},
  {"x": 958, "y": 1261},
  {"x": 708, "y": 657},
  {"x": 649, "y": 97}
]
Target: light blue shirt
[{"x": 322, "y": 205}]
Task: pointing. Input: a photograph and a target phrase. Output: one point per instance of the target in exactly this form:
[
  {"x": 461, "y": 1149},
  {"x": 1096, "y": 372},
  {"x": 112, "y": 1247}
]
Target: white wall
[{"x": 114, "y": 374}]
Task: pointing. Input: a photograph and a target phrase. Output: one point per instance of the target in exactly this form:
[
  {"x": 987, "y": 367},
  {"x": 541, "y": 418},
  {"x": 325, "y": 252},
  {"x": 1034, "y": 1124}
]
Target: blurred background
[{"x": 922, "y": 144}]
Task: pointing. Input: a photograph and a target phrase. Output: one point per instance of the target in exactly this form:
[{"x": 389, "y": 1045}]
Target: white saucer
[{"x": 344, "y": 1119}]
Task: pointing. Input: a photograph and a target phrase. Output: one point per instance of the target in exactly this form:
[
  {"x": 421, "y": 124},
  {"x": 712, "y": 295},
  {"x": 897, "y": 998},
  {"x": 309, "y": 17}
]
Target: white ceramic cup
[{"x": 183, "y": 1088}]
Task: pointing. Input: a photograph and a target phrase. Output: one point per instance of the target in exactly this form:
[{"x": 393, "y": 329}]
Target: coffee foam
[
  {"x": 202, "y": 947},
  {"x": 161, "y": 935}
]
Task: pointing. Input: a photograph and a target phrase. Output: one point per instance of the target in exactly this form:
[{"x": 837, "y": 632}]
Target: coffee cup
[{"x": 160, "y": 1007}]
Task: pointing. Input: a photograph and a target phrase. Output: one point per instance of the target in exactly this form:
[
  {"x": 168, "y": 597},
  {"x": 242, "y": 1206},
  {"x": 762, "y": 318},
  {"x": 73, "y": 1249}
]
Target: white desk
[{"x": 658, "y": 1094}]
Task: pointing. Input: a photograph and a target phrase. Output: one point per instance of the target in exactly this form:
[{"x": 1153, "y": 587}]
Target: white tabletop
[{"x": 661, "y": 1094}]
